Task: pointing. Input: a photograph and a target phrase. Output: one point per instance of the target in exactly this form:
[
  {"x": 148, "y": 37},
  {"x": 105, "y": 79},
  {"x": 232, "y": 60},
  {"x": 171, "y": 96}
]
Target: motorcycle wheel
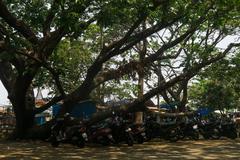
[
  {"x": 181, "y": 135},
  {"x": 232, "y": 135},
  {"x": 206, "y": 136},
  {"x": 149, "y": 135},
  {"x": 215, "y": 134},
  {"x": 130, "y": 139},
  {"x": 140, "y": 139},
  {"x": 195, "y": 136},
  {"x": 173, "y": 137},
  {"x": 105, "y": 141},
  {"x": 54, "y": 142},
  {"x": 81, "y": 143}
]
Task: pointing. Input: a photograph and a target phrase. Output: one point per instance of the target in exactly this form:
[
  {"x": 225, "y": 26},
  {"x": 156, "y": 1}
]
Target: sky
[{"x": 3, "y": 93}]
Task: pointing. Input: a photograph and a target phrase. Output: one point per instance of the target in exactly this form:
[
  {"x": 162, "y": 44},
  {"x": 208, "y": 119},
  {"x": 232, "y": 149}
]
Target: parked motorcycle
[
  {"x": 165, "y": 131},
  {"x": 121, "y": 131},
  {"x": 209, "y": 130},
  {"x": 170, "y": 132},
  {"x": 189, "y": 130},
  {"x": 228, "y": 129},
  {"x": 62, "y": 132},
  {"x": 138, "y": 133},
  {"x": 100, "y": 134},
  {"x": 151, "y": 128}
]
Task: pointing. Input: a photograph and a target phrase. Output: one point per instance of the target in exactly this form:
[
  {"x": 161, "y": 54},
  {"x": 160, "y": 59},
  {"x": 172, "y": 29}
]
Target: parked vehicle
[
  {"x": 165, "y": 131},
  {"x": 228, "y": 129},
  {"x": 170, "y": 132},
  {"x": 209, "y": 129},
  {"x": 100, "y": 134},
  {"x": 139, "y": 134},
  {"x": 121, "y": 130},
  {"x": 189, "y": 130},
  {"x": 63, "y": 132}
]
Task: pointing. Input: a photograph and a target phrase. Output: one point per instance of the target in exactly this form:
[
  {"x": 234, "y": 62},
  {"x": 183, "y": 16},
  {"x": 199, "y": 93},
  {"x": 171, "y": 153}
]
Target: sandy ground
[{"x": 202, "y": 149}]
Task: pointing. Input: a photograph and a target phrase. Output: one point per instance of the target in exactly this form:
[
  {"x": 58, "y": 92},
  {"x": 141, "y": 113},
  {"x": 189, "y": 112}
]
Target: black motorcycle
[
  {"x": 139, "y": 134},
  {"x": 154, "y": 129},
  {"x": 228, "y": 129},
  {"x": 122, "y": 131},
  {"x": 209, "y": 130},
  {"x": 170, "y": 132},
  {"x": 100, "y": 134},
  {"x": 63, "y": 132},
  {"x": 151, "y": 128},
  {"x": 189, "y": 130}
]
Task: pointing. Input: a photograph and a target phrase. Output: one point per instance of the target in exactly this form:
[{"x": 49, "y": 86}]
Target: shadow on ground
[{"x": 214, "y": 149}]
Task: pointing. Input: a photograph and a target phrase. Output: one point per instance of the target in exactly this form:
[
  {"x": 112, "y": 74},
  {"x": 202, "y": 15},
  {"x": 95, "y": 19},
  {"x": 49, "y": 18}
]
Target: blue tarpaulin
[
  {"x": 82, "y": 109},
  {"x": 55, "y": 109},
  {"x": 167, "y": 106},
  {"x": 40, "y": 119},
  {"x": 204, "y": 111}
]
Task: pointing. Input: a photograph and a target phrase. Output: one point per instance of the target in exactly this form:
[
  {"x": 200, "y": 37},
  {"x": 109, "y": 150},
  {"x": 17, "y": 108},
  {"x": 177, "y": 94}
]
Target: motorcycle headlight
[
  {"x": 128, "y": 130},
  {"x": 84, "y": 135},
  {"x": 172, "y": 131},
  {"x": 195, "y": 126},
  {"x": 143, "y": 134},
  {"x": 109, "y": 136}
]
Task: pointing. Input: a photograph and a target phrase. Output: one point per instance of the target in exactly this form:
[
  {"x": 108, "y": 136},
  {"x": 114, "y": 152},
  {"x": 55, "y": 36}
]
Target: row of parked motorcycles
[
  {"x": 193, "y": 128},
  {"x": 114, "y": 130},
  {"x": 117, "y": 130}
]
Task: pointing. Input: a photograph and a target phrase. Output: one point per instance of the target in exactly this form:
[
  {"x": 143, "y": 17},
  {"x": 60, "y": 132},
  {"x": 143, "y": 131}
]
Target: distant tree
[
  {"x": 212, "y": 94},
  {"x": 218, "y": 85}
]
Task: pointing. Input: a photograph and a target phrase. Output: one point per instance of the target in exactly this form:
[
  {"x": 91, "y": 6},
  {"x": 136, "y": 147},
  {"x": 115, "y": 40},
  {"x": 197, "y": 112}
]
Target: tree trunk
[
  {"x": 142, "y": 53},
  {"x": 139, "y": 115},
  {"x": 184, "y": 98},
  {"x": 23, "y": 105},
  {"x": 24, "y": 120}
]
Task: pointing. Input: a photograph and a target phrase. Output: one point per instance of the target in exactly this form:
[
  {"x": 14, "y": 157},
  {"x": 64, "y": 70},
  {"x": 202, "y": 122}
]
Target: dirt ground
[{"x": 202, "y": 149}]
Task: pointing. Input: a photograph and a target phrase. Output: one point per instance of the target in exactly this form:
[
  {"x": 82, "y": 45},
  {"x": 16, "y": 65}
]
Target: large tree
[{"x": 30, "y": 33}]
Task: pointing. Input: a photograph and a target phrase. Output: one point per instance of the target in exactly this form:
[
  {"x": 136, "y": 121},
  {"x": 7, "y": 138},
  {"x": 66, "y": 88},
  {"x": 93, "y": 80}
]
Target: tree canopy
[{"x": 97, "y": 42}]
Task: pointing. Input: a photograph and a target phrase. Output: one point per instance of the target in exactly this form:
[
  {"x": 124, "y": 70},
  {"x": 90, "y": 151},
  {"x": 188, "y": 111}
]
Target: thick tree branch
[
  {"x": 119, "y": 43},
  {"x": 50, "y": 16},
  {"x": 49, "y": 43},
  {"x": 6, "y": 75},
  {"x": 198, "y": 66},
  {"x": 135, "y": 65},
  {"x": 134, "y": 39},
  {"x": 84, "y": 90},
  {"x": 19, "y": 25},
  {"x": 93, "y": 70},
  {"x": 50, "y": 69},
  {"x": 48, "y": 105},
  {"x": 137, "y": 105}
]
